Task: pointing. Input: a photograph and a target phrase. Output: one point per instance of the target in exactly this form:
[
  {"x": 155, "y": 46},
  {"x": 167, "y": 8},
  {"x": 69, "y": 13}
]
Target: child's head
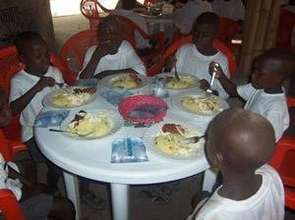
[
  {"x": 239, "y": 141},
  {"x": 271, "y": 68},
  {"x": 109, "y": 30},
  {"x": 33, "y": 52},
  {"x": 205, "y": 29},
  {"x": 5, "y": 114}
]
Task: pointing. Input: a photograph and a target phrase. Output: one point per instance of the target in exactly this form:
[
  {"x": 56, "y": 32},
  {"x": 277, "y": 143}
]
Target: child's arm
[
  {"x": 226, "y": 83},
  {"x": 18, "y": 105},
  {"x": 101, "y": 51}
]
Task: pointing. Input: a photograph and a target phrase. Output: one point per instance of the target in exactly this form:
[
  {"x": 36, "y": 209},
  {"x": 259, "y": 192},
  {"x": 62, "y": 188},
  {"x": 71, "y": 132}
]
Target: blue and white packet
[
  {"x": 126, "y": 150},
  {"x": 114, "y": 96},
  {"x": 51, "y": 118}
]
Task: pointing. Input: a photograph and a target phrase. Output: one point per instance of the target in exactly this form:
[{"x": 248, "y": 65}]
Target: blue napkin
[
  {"x": 114, "y": 96},
  {"x": 125, "y": 150},
  {"x": 51, "y": 118}
]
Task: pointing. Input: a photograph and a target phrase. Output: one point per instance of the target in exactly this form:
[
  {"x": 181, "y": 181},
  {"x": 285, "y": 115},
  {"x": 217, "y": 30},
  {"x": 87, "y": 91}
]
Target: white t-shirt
[
  {"x": 140, "y": 41},
  {"x": 272, "y": 106},
  {"x": 190, "y": 60},
  {"x": 125, "y": 58},
  {"x": 185, "y": 16},
  {"x": 266, "y": 204},
  {"x": 233, "y": 9},
  {"x": 23, "y": 82}
]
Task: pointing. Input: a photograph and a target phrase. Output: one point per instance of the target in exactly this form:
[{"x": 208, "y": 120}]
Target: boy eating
[
  {"x": 112, "y": 54},
  {"x": 239, "y": 144},
  {"x": 29, "y": 87},
  {"x": 265, "y": 94},
  {"x": 195, "y": 58}
]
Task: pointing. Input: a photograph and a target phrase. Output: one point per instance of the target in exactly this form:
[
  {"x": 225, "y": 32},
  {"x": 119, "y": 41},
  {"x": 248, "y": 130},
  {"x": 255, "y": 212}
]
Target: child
[
  {"x": 28, "y": 88},
  {"x": 240, "y": 143},
  {"x": 264, "y": 95},
  {"x": 37, "y": 205},
  {"x": 112, "y": 54},
  {"x": 195, "y": 58}
]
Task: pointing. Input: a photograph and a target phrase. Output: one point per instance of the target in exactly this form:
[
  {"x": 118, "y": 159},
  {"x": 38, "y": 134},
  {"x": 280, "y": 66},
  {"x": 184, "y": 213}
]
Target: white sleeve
[
  {"x": 15, "y": 90},
  {"x": 58, "y": 77},
  {"x": 133, "y": 61},
  {"x": 276, "y": 119},
  {"x": 246, "y": 91}
]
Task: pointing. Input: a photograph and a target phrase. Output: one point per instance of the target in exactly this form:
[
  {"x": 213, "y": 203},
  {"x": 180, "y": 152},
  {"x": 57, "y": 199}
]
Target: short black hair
[
  {"x": 207, "y": 18},
  {"x": 284, "y": 55},
  {"x": 22, "y": 39}
]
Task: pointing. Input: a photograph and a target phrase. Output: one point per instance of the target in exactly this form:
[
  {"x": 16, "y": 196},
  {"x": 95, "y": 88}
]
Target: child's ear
[{"x": 219, "y": 159}]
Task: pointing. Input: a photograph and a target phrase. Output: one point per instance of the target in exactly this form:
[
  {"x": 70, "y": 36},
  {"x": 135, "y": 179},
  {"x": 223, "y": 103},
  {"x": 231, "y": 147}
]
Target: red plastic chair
[
  {"x": 171, "y": 50},
  {"x": 73, "y": 52},
  {"x": 286, "y": 24},
  {"x": 93, "y": 10},
  {"x": 283, "y": 161},
  {"x": 130, "y": 27},
  {"x": 9, "y": 206},
  {"x": 227, "y": 30}
]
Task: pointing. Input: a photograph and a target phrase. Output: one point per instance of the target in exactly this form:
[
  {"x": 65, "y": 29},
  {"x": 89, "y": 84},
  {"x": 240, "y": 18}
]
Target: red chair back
[
  {"x": 286, "y": 24},
  {"x": 9, "y": 206},
  {"x": 228, "y": 28},
  {"x": 74, "y": 49},
  {"x": 171, "y": 50}
]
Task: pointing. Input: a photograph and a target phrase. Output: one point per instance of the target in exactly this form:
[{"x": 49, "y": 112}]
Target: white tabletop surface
[{"x": 91, "y": 158}]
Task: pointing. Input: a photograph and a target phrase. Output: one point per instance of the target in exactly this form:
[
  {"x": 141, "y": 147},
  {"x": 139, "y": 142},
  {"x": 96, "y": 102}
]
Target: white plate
[
  {"x": 153, "y": 131},
  {"x": 115, "y": 118},
  {"x": 177, "y": 103},
  {"x": 48, "y": 99},
  {"x": 195, "y": 83},
  {"x": 108, "y": 81}
]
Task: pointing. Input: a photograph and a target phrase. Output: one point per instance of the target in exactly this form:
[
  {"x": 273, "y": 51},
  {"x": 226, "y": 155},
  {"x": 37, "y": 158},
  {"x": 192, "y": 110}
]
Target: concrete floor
[{"x": 151, "y": 202}]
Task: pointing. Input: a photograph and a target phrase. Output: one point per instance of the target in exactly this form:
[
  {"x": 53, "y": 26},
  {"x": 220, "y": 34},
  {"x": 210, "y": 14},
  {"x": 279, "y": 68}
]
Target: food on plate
[
  {"x": 127, "y": 81},
  {"x": 90, "y": 125},
  {"x": 200, "y": 104},
  {"x": 185, "y": 82},
  {"x": 170, "y": 140},
  {"x": 72, "y": 97}
]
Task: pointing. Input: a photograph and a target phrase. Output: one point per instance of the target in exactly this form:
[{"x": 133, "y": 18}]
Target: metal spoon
[{"x": 70, "y": 132}]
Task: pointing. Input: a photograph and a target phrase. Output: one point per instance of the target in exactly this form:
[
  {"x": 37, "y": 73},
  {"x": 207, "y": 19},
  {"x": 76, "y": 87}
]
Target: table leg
[
  {"x": 120, "y": 201},
  {"x": 209, "y": 180},
  {"x": 72, "y": 189}
]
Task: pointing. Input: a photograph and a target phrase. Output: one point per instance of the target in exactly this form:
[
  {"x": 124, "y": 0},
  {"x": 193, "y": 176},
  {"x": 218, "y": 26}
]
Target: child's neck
[
  {"x": 274, "y": 90},
  {"x": 207, "y": 51},
  {"x": 240, "y": 187}
]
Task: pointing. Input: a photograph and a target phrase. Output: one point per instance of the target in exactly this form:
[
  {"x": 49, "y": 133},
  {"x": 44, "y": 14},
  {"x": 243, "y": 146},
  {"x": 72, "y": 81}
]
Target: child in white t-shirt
[
  {"x": 239, "y": 144},
  {"x": 33, "y": 199},
  {"x": 112, "y": 54},
  {"x": 265, "y": 94},
  {"x": 28, "y": 88},
  {"x": 195, "y": 58}
]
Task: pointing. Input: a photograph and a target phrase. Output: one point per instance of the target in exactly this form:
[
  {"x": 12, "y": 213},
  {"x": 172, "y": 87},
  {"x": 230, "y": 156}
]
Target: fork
[{"x": 193, "y": 140}]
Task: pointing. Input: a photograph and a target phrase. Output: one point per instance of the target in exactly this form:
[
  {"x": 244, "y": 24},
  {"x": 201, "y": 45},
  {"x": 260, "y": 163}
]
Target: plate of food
[
  {"x": 186, "y": 81},
  {"x": 168, "y": 139},
  {"x": 199, "y": 103},
  {"x": 124, "y": 81},
  {"x": 70, "y": 97},
  {"x": 91, "y": 124}
]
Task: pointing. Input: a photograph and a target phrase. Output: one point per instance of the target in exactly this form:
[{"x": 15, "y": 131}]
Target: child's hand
[
  {"x": 204, "y": 84},
  {"x": 45, "y": 82},
  {"x": 215, "y": 67},
  {"x": 170, "y": 64}
]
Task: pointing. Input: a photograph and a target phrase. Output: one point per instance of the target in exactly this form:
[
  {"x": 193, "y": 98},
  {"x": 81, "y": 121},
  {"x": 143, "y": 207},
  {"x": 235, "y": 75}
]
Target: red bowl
[{"x": 129, "y": 104}]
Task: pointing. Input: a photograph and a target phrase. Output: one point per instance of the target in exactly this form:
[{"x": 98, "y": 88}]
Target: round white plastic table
[{"x": 91, "y": 159}]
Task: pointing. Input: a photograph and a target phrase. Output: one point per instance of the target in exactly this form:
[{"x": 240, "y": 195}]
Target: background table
[{"x": 91, "y": 159}]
